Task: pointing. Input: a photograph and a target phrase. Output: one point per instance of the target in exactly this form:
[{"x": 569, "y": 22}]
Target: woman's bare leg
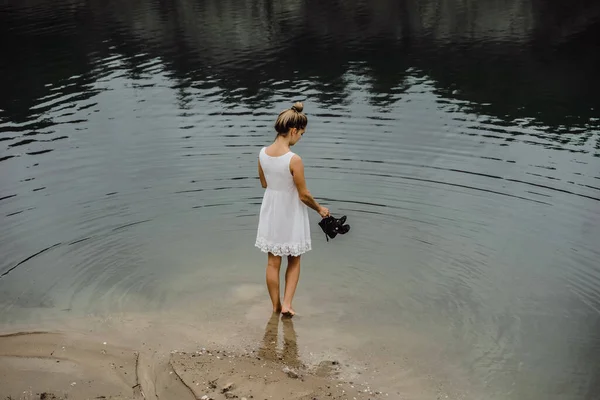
[
  {"x": 292, "y": 274},
  {"x": 273, "y": 266}
]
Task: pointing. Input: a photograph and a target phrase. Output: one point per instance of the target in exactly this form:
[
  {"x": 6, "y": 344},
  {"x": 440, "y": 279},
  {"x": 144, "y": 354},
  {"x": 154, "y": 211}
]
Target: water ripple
[{"x": 461, "y": 142}]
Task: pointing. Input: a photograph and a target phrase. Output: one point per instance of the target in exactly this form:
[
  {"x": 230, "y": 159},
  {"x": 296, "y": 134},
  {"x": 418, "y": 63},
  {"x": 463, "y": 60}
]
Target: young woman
[{"x": 283, "y": 228}]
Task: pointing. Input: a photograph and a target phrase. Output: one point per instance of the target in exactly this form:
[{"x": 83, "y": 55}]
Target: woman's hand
[{"x": 324, "y": 212}]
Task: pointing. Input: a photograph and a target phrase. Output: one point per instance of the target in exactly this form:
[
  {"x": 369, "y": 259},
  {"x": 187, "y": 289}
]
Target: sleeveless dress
[{"x": 283, "y": 227}]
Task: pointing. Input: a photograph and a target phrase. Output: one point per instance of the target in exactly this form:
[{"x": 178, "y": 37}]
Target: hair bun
[{"x": 298, "y": 106}]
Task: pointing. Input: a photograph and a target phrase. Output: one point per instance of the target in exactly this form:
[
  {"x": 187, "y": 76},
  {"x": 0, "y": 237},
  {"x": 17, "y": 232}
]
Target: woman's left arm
[{"x": 261, "y": 175}]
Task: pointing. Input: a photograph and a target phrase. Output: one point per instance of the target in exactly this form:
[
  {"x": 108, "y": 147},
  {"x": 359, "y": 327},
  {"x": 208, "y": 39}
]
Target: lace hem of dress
[{"x": 283, "y": 249}]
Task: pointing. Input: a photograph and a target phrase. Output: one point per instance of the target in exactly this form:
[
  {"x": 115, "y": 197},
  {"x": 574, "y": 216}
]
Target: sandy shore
[{"x": 69, "y": 365}]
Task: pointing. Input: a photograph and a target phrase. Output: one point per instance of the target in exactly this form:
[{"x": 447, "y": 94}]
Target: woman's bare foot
[
  {"x": 287, "y": 311},
  {"x": 277, "y": 308}
]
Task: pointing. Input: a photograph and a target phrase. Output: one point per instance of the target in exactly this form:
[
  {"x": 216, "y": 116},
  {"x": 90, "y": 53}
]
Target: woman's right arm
[
  {"x": 297, "y": 170},
  {"x": 261, "y": 176}
]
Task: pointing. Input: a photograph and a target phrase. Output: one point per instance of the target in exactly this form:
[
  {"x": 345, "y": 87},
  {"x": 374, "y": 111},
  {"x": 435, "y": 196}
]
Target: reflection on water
[
  {"x": 462, "y": 138},
  {"x": 289, "y": 354}
]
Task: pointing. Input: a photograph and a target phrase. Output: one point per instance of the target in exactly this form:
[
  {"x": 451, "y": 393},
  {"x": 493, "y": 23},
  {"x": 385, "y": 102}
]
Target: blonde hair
[{"x": 291, "y": 118}]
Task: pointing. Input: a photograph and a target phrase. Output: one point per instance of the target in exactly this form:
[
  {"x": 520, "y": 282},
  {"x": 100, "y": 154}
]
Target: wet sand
[{"x": 76, "y": 365}]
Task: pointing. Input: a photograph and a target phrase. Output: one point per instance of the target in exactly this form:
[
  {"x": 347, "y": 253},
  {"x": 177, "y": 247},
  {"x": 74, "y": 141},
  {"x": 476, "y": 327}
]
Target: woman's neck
[{"x": 282, "y": 141}]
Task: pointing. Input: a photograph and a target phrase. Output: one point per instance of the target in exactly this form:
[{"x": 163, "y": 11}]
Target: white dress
[{"x": 283, "y": 227}]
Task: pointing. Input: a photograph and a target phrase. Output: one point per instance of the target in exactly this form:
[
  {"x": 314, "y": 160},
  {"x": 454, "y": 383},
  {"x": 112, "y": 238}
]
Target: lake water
[{"x": 461, "y": 139}]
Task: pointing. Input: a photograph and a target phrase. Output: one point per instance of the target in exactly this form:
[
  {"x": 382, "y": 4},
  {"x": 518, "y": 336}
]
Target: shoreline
[
  {"x": 61, "y": 364},
  {"x": 405, "y": 366}
]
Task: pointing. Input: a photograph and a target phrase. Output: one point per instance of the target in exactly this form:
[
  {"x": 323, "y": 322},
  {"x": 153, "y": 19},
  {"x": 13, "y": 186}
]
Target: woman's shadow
[{"x": 268, "y": 349}]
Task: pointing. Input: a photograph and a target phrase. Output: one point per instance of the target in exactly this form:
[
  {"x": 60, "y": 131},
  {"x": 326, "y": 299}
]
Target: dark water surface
[{"x": 461, "y": 138}]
